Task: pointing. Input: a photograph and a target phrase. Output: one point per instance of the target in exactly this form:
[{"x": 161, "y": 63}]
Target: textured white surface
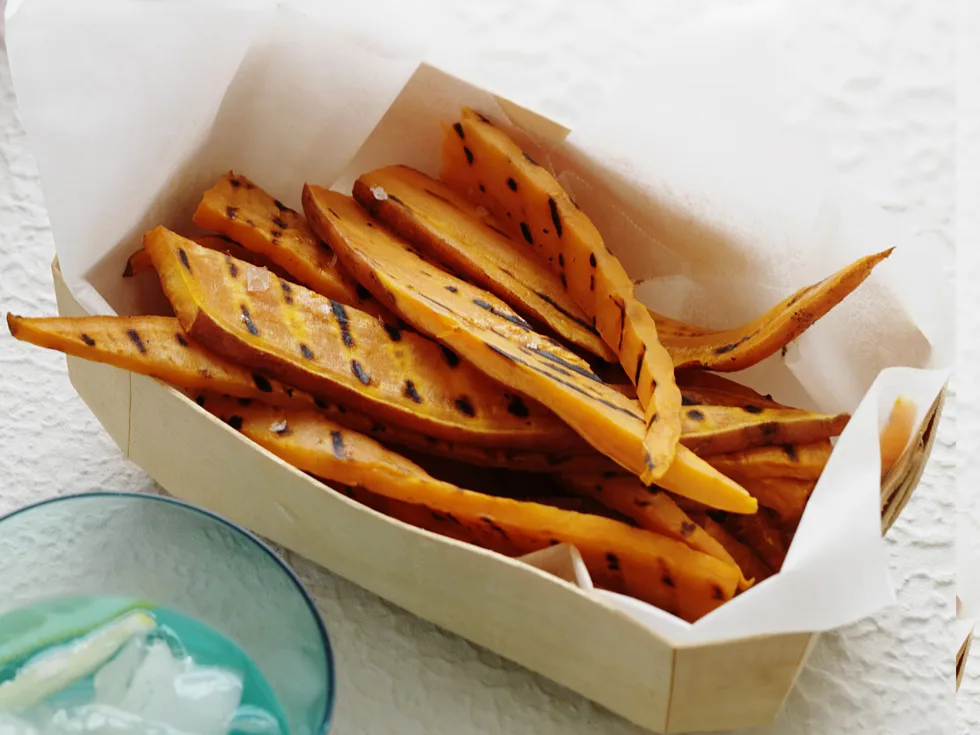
[
  {"x": 968, "y": 271},
  {"x": 878, "y": 85}
]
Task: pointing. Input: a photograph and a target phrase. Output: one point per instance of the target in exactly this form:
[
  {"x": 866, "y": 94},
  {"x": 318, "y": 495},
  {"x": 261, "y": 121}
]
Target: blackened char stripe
[
  {"x": 622, "y": 322},
  {"x": 574, "y": 387},
  {"x": 551, "y": 302},
  {"x": 340, "y": 314},
  {"x": 584, "y": 372},
  {"x": 639, "y": 365}
]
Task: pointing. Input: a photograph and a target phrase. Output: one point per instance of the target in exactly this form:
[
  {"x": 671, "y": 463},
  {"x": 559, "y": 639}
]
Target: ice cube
[
  {"x": 100, "y": 719},
  {"x": 10, "y": 725},
  {"x": 112, "y": 680},
  {"x": 170, "y": 689}
]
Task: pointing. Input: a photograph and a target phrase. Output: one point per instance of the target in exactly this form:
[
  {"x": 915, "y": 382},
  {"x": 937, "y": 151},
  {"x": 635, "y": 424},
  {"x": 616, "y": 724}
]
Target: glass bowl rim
[{"x": 327, "y": 715}]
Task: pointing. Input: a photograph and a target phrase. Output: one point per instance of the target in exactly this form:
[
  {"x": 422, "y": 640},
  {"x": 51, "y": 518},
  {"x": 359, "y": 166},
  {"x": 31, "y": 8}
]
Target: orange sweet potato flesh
[
  {"x": 748, "y": 561},
  {"x": 897, "y": 432},
  {"x": 735, "y": 349},
  {"x": 699, "y": 387},
  {"x": 724, "y": 429},
  {"x": 480, "y": 160},
  {"x": 239, "y": 209},
  {"x": 760, "y": 534},
  {"x": 341, "y": 354},
  {"x": 784, "y": 497},
  {"x": 796, "y": 461},
  {"x": 152, "y": 345},
  {"x": 449, "y": 228},
  {"x": 139, "y": 262},
  {"x": 650, "y": 508},
  {"x": 648, "y": 566},
  {"x": 480, "y": 327},
  {"x": 159, "y": 347},
  {"x": 482, "y": 535}
]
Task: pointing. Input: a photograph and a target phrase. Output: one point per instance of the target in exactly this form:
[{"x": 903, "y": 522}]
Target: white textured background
[
  {"x": 881, "y": 92},
  {"x": 968, "y": 275}
]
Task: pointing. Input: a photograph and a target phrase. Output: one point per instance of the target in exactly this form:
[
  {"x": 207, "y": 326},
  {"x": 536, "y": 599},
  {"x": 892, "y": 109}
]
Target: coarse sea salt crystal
[
  {"x": 258, "y": 279},
  {"x": 278, "y": 426},
  {"x": 379, "y": 193}
]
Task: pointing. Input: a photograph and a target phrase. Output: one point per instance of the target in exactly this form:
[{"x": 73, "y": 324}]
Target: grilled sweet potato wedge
[
  {"x": 485, "y": 330},
  {"x": 748, "y": 561},
  {"x": 239, "y": 209},
  {"x": 344, "y": 355},
  {"x": 700, "y": 387},
  {"x": 796, "y": 461},
  {"x": 649, "y": 507},
  {"x": 447, "y": 227},
  {"x": 139, "y": 262},
  {"x": 482, "y": 161},
  {"x": 742, "y": 347},
  {"x": 648, "y": 566},
  {"x": 156, "y": 346},
  {"x": 761, "y": 535},
  {"x": 725, "y": 429}
]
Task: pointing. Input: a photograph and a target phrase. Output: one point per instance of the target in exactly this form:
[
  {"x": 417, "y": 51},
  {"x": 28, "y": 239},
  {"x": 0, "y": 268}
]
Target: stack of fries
[{"x": 391, "y": 342}]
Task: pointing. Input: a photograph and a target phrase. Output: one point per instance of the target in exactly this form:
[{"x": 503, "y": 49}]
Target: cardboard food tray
[{"x": 738, "y": 248}]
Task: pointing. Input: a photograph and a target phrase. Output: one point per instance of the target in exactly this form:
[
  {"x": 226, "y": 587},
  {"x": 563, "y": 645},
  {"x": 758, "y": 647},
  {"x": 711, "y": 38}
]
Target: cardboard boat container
[{"x": 523, "y": 613}]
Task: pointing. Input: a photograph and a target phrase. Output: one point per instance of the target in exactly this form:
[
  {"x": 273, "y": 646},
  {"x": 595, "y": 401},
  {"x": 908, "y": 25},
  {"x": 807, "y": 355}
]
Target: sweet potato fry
[
  {"x": 139, "y": 262},
  {"x": 345, "y": 355},
  {"x": 481, "y": 327},
  {"x": 727, "y": 429},
  {"x": 449, "y": 228},
  {"x": 646, "y": 565},
  {"x": 897, "y": 432},
  {"x": 736, "y": 349},
  {"x": 759, "y": 533},
  {"x": 239, "y": 209},
  {"x": 649, "y": 507},
  {"x": 784, "y": 496},
  {"x": 159, "y": 347},
  {"x": 482, "y": 161},
  {"x": 796, "y": 461},
  {"x": 700, "y": 387},
  {"x": 154, "y": 346},
  {"x": 748, "y": 561}
]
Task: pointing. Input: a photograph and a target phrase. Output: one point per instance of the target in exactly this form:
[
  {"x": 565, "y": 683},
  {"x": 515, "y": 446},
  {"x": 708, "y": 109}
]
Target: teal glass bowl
[{"x": 185, "y": 558}]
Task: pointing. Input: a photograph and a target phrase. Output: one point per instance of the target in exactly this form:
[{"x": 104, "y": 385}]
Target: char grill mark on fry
[
  {"x": 601, "y": 414},
  {"x": 626, "y": 559},
  {"x": 303, "y": 344},
  {"x": 741, "y": 347},
  {"x": 448, "y": 228},
  {"x": 568, "y": 240},
  {"x": 239, "y": 209}
]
